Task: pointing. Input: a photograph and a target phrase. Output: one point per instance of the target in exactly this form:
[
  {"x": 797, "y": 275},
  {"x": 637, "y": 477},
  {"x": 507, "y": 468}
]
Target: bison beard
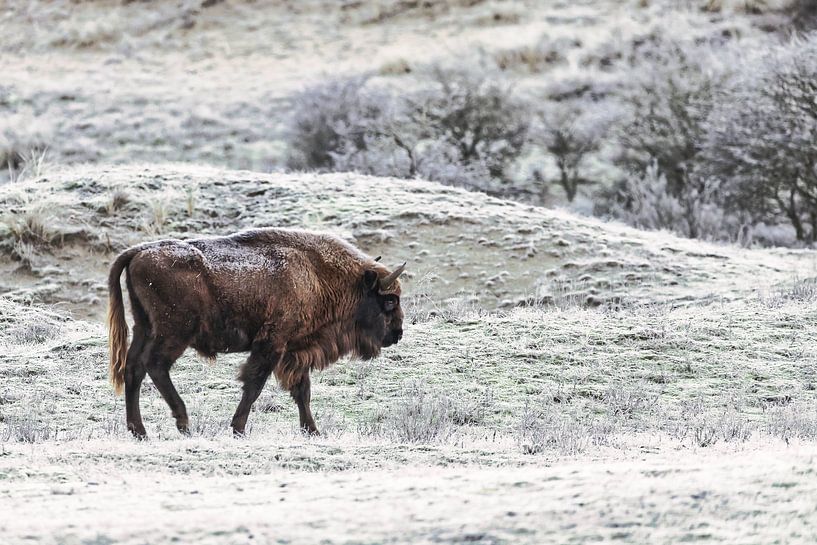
[{"x": 296, "y": 300}]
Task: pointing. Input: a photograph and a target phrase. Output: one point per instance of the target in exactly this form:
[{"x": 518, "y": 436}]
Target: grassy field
[
  {"x": 561, "y": 379},
  {"x": 600, "y": 356}
]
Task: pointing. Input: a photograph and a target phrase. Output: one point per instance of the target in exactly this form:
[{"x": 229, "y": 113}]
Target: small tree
[{"x": 570, "y": 139}]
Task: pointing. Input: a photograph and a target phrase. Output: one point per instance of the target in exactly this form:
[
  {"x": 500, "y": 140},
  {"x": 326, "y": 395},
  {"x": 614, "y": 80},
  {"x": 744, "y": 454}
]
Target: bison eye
[{"x": 390, "y": 303}]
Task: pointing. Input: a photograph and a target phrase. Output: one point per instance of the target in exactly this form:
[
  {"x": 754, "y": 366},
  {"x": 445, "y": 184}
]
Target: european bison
[{"x": 296, "y": 300}]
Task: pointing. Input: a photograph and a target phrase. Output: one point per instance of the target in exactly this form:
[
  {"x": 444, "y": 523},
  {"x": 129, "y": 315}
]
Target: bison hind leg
[
  {"x": 134, "y": 374},
  {"x": 159, "y": 357}
]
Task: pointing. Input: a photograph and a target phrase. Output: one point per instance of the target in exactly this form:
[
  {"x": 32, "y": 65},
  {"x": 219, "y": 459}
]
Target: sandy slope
[{"x": 458, "y": 244}]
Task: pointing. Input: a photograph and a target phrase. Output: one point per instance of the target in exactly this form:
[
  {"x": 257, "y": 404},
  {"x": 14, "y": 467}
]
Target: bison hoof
[
  {"x": 312, "y": 432},
  {"x": 138, "y": 432}
]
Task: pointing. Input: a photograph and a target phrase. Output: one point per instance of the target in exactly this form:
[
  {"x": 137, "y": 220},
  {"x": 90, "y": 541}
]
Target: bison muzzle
[{"x": 295, "y": 300}]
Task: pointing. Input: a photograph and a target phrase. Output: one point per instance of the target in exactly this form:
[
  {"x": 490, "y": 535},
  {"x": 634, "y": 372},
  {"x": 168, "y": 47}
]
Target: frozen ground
[
  {"x": 681, "y": 408},
  {"x": 730, "y": 498},
  {"x": 561, "y": 379}
]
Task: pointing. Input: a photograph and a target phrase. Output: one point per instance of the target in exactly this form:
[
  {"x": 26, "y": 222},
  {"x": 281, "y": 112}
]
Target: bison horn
[
  {"x": 377, "y": 258},
  {"x": 387, "y": 281}
]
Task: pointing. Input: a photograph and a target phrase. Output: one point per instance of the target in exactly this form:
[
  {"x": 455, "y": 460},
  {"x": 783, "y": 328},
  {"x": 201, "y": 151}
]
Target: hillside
[
  {"x": 707, "y": 356},
  {"x": 59, "y": 233},
  {"x": 212, "y": 82}
]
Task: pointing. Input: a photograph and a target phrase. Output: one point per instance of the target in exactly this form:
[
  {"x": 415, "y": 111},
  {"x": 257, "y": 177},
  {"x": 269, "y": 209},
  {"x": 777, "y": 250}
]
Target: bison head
[{"x": 379, "y": 316}]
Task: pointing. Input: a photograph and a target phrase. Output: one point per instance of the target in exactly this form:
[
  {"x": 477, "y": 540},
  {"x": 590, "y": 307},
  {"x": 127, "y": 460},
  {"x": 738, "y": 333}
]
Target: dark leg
[
  {"x": 301, "y": 392},
  {"x": 254, "y": 375},
  {"x": 158, "y": 359},
  {"x": 134, "y": 374}
]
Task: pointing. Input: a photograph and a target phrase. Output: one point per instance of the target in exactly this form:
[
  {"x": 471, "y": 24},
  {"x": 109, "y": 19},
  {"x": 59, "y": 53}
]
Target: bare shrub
[
  {"x": 482, "y": 118},
  {"x": 463, "y": 129},
  {"x": 705, "y": 426},
  {"x": 549, "y": 428},
  {"x": 26, "y": 428},
  {"x": 792, "y": 421},
  {"x": 420, "y": 416},
  {"x": 733, "y": 426},
  {"x": 661, "y": 146},
  {"x": 647, "y": 202},
  {"x": 800, "y": 290},
  {"x": 373, "y": 426},
  {"x": 704, "y": 433},
  {"x": 762, "y": 139},
  {"x": 629, "y": 400},
  {"x": 207, "y": 424},
  {"x": 333, "y": 423},
  {"x": 473, "y": 409},
  {"x": 31, "y": 332},
  {"x": 332, "y": 120}
]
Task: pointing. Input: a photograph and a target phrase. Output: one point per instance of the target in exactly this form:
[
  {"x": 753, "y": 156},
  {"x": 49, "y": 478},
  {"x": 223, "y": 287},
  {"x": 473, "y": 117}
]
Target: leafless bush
[
  {"x": 762, "y": 139},
  {"x": 332, "y": 423},
  {"x": 372, "y": 426},
  {"x": 478, "y": 115},
  {"x": 472, "y": 409},
  {"x": 421, "y": 416},
  {"x": 548, "y": 428},
  {"x": 661, "y": 146},
  {"x": 207, "y": 423},
  {"x": 647, "y": 202},
  {"x": 463, "y": 129},
  {"x": 733, "y": 426},
  {"x": 705, "y": 426},
  {"x": 792, "y": 421},
  {"x": 800, "y": 290},
  {"x": 33, "y": 332},
  {"x": 26, "y": 428},
  {"x": 629, "y": 400},
  {"x": 336, "y": 119}
]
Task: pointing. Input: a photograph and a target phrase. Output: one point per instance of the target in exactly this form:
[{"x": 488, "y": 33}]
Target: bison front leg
[
  {"x": 301, "y": 392},
  {"x": 254, "y": 375}
]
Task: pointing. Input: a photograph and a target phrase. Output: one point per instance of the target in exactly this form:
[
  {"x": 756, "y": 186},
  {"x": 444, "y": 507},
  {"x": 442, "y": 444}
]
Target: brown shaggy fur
[{"x": 296, "y": 300}]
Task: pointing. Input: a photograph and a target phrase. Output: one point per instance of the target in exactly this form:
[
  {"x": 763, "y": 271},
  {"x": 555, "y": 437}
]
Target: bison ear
[{"x": 370, "y": 280}]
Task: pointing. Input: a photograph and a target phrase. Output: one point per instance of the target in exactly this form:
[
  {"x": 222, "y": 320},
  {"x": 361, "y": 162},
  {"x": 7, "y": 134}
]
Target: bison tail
[{"x": 117, "y": 326}]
